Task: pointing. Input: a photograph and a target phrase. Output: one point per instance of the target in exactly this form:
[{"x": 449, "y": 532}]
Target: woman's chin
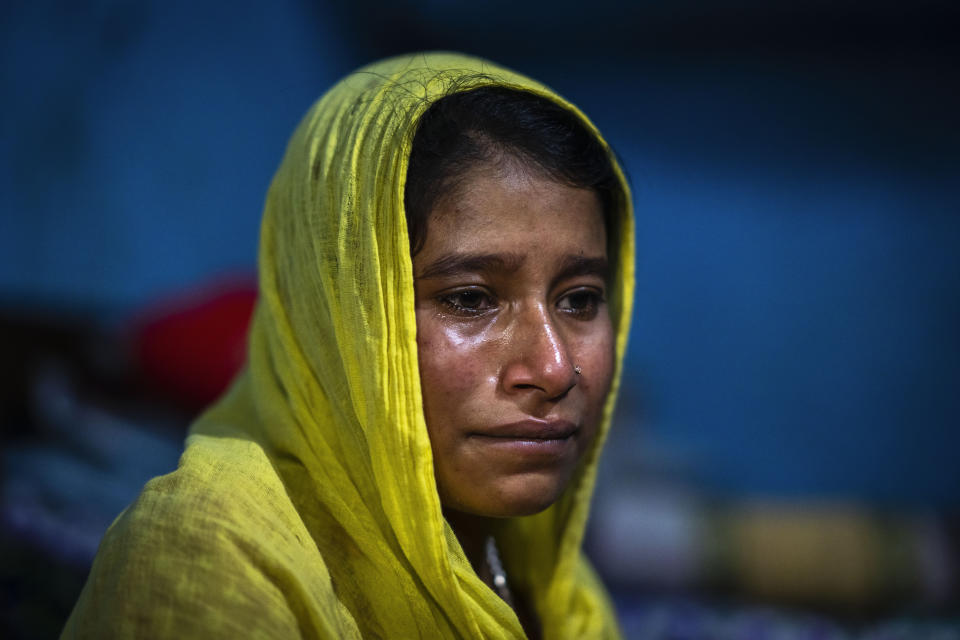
[{"x": 513, "y": 497}]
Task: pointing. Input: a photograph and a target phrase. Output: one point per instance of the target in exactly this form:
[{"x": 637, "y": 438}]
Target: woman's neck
[{"x": 472, "y": 532}]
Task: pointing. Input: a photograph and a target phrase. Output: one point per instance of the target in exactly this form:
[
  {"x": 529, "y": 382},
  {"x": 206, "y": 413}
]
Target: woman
[{"x": 411, "y": 449}]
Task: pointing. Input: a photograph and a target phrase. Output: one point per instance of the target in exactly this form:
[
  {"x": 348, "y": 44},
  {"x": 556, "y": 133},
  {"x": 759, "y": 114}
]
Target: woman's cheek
[
  {"x": 597, "y": 357},
  {"x": 449, "y": 367}
]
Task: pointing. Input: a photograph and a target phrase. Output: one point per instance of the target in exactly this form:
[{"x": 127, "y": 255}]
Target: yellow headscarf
[{"x": 305, "y": 502}]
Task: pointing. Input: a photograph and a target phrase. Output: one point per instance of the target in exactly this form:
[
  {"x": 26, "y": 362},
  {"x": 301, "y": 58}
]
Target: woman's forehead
[{"x": 516, "y": 215}]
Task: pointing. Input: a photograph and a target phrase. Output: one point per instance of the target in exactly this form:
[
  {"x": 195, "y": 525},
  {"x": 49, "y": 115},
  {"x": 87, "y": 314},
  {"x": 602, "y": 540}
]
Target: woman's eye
[
  {"x": 468, "y": 302},
  {"x": 583, "y": 304}
]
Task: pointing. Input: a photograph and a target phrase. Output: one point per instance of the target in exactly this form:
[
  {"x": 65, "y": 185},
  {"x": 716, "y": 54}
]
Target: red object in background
[{"x": 191, "y": 346}]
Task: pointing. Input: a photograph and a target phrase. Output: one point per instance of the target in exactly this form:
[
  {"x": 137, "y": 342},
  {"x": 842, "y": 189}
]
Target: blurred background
[{"x": 784, "y": 463}]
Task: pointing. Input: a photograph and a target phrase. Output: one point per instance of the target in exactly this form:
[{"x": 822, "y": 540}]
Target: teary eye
[
  {"x": 583, "y": 304},
  {"x": 468, "y": 301}
]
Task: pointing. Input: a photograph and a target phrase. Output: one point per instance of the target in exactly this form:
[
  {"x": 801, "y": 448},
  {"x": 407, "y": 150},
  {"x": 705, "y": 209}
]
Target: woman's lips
[
  {"x": 531, "y": 429},
  {"x": 543, "y": 438}
]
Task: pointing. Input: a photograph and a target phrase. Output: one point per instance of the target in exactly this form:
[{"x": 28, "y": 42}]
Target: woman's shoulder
[
  {"x": 214, "y": 548},
  {"x": 223, "y": 489},
  {"x": 230, "y": 481}
]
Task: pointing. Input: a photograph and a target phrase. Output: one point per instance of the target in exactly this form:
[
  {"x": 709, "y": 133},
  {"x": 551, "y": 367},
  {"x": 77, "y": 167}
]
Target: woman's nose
[{"x": 538, "y": 358}]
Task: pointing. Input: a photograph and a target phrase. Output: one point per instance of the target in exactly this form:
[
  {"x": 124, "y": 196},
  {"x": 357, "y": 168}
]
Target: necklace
[{"x": 496, "y": 569}]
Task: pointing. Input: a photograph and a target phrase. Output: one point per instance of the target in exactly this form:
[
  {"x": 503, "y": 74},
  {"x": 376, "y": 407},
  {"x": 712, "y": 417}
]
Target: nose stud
[{"x": 576, "y": 369}]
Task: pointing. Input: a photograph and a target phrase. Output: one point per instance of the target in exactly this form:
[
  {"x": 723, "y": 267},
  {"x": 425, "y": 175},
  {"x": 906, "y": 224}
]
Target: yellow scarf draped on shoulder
[{"x": 305, "y": 503}]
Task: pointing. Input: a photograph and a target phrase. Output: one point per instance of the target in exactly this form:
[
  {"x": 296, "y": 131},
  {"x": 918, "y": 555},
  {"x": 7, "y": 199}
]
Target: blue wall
[{"x": 139, "y": 140}]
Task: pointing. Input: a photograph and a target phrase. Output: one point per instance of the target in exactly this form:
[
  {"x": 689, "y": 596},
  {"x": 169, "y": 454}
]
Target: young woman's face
[{"x": 514, "y": 336}]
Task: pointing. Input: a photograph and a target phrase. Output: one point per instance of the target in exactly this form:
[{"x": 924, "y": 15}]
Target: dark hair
[{"x": 463, "y": 130}]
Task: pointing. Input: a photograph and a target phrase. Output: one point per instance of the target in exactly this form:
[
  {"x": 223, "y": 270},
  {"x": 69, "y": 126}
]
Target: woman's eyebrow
[
  {"x": 455, "y": 264},
  {"x": 579, "y": 265}
]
